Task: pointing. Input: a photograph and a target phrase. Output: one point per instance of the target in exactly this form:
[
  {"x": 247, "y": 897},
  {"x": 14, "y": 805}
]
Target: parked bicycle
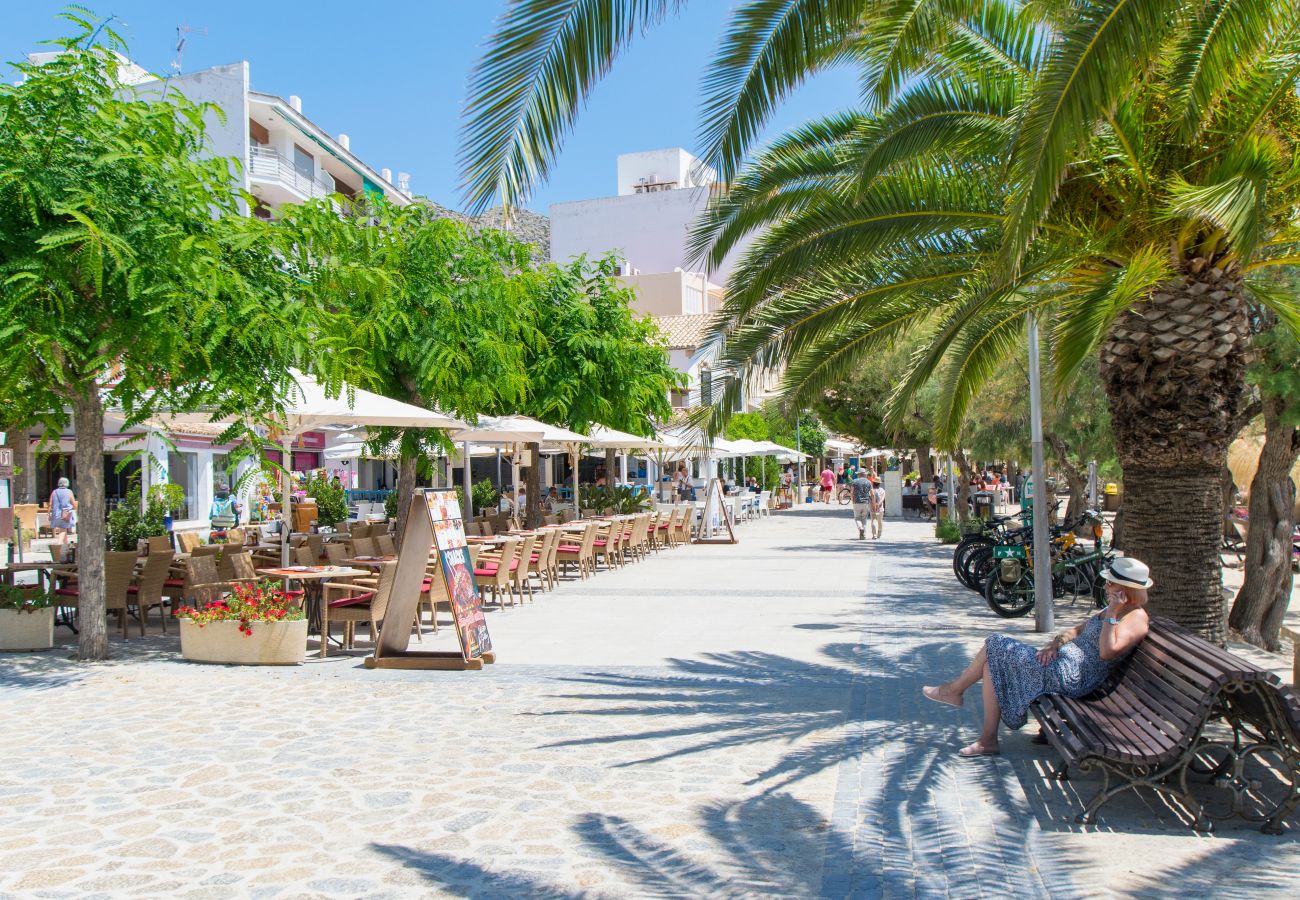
[{"x": 1075, "y": 570}]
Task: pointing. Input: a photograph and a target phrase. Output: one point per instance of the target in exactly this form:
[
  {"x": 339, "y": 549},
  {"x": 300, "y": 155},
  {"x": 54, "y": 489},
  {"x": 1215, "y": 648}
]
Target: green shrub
[
  {"x": 23, "y": 599},
  {"x": 947, "y": 531},
  {"x": 485, "y": 496},
  {"x": 390, "y": 505},
  {"x": 126, "y": 526},
  {"x": 331, "y": 501}
]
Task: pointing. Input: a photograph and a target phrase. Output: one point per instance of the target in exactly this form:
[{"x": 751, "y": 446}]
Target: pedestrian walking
[
  {"x": 63, "y": 515},
  {"x": 877, "y": 504},
  {"x": 861, "y": 488},
  {"x": 828, "y": 484}
]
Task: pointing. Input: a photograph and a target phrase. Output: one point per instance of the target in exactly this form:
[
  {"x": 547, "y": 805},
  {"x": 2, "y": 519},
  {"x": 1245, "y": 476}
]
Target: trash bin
[
  {"x": 1112, "y": 497},
  {"x": 983, "y": 505}
]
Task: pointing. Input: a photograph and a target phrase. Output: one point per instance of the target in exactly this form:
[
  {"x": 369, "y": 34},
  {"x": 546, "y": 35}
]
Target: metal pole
[
  {"x": 573, "y": 458},
  {"x": 469, "y": 510},
  {"x": 498, "y": 468},
  {"x": 1092, "y": 484},
  {"x": 952, "y": 491},
  {"x": 286, "y": 517},
  {"x": 1044, "y": 614}
]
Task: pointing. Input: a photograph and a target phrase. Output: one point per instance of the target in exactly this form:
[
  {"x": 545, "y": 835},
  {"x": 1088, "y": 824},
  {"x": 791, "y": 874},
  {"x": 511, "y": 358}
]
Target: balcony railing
[{"x": 266, "y": 164}]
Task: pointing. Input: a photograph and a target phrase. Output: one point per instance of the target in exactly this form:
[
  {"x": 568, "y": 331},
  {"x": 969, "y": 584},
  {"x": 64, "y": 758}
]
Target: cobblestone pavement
[{"x": 716, "y": 721}]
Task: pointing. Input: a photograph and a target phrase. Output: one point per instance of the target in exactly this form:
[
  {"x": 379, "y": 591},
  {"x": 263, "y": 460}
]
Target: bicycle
[
  {"x": 844, "y": 494},
  {"x": 1009, "y": 587}
]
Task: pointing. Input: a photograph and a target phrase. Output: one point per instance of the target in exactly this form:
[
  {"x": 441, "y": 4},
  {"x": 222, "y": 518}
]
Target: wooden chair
[
  {"x": 304, "y": 555},
  {"x": 567, "y": 516},
  {"x": 243, "y": 568},
  {"x": 148, "y": 589},
  {"x": 492, "y": 571},
  {"x": 472, "y": 529},
  {"x": 485, "y": 528},
  {"x": 119, "y": 572},
  {"x": 578, "y": 549},
  {"x": 352, "y": 603},
  {"x": 205, "y": 550}
]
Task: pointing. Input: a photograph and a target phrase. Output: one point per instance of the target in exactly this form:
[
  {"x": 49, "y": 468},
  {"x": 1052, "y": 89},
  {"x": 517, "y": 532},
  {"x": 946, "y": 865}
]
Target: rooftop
[{"x": 685, "y": 332}]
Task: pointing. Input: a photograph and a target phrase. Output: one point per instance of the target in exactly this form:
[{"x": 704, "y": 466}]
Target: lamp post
[{"x": 1044, "y": 615}]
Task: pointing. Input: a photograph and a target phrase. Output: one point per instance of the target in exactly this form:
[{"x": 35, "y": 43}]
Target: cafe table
[{"x": 312, "y": 579}]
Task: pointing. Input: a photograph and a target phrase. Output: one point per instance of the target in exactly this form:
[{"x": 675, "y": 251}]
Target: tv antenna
[{"x": 183, "y": 31}]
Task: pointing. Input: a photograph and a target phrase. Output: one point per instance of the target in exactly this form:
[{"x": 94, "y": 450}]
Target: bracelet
[{"x": 1111, "y": 621}]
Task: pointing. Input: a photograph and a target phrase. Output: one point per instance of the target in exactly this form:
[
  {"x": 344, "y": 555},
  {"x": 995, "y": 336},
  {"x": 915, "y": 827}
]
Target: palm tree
[{"x": 1120, "y": 168}]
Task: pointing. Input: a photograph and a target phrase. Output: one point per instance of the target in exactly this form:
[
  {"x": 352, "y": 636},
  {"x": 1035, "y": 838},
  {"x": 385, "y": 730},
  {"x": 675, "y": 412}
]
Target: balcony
[{"x": 277, "y": 181}]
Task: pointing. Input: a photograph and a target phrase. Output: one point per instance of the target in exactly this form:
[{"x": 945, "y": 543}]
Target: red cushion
[
  {"x": 133, "y": 589},
  {"x": 533, "y": 558},
  {"x": 174, "y": 582},
  {"x": 353, "y": 600},
  {"x": 662, "y": 527},
  {"x": 67, "y": 592},
  {"x": 425, "y": 585},
  {"x": 569, "y": 548},
  {"x": 488, "y": 571},
  {"x": 599, "y": 543},
  {"x": 294, "y": 593}
]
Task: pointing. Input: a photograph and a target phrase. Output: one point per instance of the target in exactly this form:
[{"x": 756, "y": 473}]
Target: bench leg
[{"x": 1062, "y": 772}]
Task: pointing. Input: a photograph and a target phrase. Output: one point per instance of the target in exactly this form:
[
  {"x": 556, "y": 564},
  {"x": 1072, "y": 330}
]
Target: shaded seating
[
  {"x": 147, "y": 591},
  {"x": 493, "y": 571},
  {"x": 364, "y": 546},
  {"x": 387, "y": 546},
  {"x": 119, "y": 571},
  {"x": 352, "y": 603},
  {"x": 336, "y": 553}
]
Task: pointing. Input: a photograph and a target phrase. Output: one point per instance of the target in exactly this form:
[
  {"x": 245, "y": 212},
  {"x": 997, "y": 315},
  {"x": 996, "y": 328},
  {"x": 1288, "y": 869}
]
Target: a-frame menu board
[
  {"x": 716, "y": 512},
  {"x": 434, "y": 522}
]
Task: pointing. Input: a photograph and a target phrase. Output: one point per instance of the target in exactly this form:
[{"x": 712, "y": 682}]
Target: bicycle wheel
[
  {"x": 1009, "y": 601},
  {"x": 844, "y": 495},
  {"x": 961, "y": 559},
  {"x": 979, "y": 566}
]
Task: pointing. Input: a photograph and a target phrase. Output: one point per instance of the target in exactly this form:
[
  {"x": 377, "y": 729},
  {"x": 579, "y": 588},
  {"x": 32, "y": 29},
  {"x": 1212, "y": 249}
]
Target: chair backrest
[
  {"x": 386, "y": 545},
  {"x": 525, "y": 554},
  {"x": 473, "y": 529},
  {"x": 119, "y": 570},
  {"x": 304, "y": 556},
  {"x": 152, "y": 576},
  {"x": 486, "y": 529},
  {"x": 159, "y": 543},
  {"x": 317, "y": 544},
  {"x": 567, "y": 516},
  {"x": 186, "y": 541},
  {"x": 205, "y": 550},
  {"x": 337, "y": 552},
  {"x": 363, "y": 546},
  {"x": 509, "y": 553},
  {"x": 764, "y": 499},
  {"x": 586, "y": 550},
  {"x": 550, "y": 520},
  {"x": 225, "y": 571},
  {"x": 358, "y": 529},
  {"x": 204, "y": 584},
  {"x": 242, "y": 566},
  {"x": 235, "y": 536}
]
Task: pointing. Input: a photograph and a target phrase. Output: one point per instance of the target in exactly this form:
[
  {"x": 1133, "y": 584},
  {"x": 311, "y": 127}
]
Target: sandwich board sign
[{"x": 434, "y": 522}]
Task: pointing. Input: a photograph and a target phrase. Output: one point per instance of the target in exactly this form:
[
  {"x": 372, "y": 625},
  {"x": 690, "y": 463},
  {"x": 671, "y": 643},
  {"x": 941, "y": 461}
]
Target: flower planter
[
  {"x": 270, "y": 644},
  {"x": 25, "y": 630}
]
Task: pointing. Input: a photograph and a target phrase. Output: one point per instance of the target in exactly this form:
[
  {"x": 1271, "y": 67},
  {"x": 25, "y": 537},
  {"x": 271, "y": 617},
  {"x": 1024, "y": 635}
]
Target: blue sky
[{"x": 392, "y": 73}]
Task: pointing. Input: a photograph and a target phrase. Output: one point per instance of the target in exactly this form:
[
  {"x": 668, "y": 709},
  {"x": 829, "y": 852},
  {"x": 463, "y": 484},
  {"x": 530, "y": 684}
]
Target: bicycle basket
[
  {"x": 1009, "y": 570},
  {"x": 971, "y": 526}
]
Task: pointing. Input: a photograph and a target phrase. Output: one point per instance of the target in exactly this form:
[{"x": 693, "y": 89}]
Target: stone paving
[{"x": 717, "y": 721}]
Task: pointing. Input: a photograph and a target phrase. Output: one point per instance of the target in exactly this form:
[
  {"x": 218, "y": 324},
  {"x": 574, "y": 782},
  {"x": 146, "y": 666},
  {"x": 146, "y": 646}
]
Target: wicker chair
[
  {"x": 364, "y": 546},
  {"x": 519, "y": 579},
  {"x": 119, "y": 571},
  {"x": 493, "y": 571},
  {"x": 353, "y": 603},
  {"x": 148, "y": 589},
  {"x": 579, "y": 552},
  {"x": 337, "y": 553},
  {"x": 387, "y": 546}
]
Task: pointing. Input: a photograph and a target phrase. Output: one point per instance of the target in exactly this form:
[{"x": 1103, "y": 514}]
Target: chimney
[
  {"x": 295, "y": 103},
  {"x": 345, "y": 142},
  {"x": 387, "y": 175},
  {"x": 404, "y": 182}
]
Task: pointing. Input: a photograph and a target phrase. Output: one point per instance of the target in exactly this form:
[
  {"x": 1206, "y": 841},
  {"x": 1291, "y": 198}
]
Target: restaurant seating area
[{"x": 344, "y": 578}]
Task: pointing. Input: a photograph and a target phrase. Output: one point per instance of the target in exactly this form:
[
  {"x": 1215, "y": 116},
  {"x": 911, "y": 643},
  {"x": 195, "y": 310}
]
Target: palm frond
[
  {"x": 770, "y": 47},
  {"x": 1234, "y": 201},
  {"x": 525, "y": 93}
]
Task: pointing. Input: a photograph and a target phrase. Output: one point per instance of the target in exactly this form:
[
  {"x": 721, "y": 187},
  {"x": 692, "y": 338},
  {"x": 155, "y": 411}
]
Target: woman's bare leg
[
  {"x": 952, "y": 692},
  {"x": 988, "y": 740}
]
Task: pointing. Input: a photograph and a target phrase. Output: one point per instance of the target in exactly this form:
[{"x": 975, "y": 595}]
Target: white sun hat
[{"x": 1129, "y": 572}]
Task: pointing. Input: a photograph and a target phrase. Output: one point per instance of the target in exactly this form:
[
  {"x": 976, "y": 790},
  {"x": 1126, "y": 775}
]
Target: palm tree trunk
[
  {"x": 88, "y": 419},
  {"x": 1262, "y": 601},
  {"x": 1172, "y": 366}
]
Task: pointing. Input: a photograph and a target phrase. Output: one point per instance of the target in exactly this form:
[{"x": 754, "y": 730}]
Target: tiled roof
[{"x": 684, "y": 332}]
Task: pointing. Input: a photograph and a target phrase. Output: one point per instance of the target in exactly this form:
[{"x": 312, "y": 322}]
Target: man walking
[
  {"x": 877, "y": 505},
  {"x": 861, "y": 488}
]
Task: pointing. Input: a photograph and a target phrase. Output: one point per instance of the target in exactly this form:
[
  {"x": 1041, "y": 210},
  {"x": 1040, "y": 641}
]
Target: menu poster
[{"x": 458, "y": 573}]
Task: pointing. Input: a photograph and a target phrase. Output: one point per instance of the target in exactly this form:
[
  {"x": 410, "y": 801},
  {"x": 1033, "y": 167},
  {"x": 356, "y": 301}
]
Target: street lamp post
[{"x": 1044, "y": 615}]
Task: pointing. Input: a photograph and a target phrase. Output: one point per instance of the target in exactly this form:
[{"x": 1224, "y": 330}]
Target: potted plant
[
  {"x": 166, "y": 499},
  {"x": 255, "y": 626},
  {"x": 331, "y": 501},
  {"x": 26, "y": 619}
]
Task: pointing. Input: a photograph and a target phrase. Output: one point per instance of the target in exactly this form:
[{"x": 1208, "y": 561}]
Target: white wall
[
  {"x": 226, "y": 87},
  {"x": 669, "y": 165},
  {"x": 648, "y": 230}
]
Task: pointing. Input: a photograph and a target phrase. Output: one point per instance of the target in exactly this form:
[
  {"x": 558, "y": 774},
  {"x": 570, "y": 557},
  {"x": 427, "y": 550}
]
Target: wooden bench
[
  {"x": 913, "y": 502},
  {"x": 1180, "y": 713}
]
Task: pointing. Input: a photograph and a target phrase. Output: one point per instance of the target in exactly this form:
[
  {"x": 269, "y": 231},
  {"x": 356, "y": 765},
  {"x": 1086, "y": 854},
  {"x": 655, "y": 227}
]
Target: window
[
  {"x": 304, "y": 163},
  {"x": 706, "y": 386}
]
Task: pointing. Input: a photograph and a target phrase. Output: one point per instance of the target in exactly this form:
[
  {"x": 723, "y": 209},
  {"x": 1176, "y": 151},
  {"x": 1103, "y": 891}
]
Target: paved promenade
[{"x": 717, "y": 721}]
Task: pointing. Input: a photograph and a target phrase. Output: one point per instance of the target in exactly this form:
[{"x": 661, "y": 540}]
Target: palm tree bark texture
[
  {"x": 1173, "y": 369},
  {"x": 1264, "y": 596}
]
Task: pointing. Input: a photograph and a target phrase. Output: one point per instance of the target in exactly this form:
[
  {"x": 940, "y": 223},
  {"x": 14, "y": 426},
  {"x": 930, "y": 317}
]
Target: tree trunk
[
  {"x": 923, "y": 464},
  {"x": 406, "y": 478},
  {"x": 24, "y": 483},
  {"x": 1262, "y": 601},
  {"x": 1172, "y": 366},
  {"x": 88, "y": 419},
  {"x": 963, "y": 489},
  {"x": 1076, "y": 479},
  {"x": 610, "y": 479},
  {"x": 533, "y": 487}
]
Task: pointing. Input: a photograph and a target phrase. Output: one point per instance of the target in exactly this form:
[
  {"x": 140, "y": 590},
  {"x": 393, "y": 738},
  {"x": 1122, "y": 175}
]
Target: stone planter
[
  {"x": 27, "y": 630},
  {"x": 270, "y": 644}
]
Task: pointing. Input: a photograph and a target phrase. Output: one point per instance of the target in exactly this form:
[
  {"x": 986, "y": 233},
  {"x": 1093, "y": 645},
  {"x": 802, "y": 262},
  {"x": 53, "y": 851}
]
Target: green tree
[
  {"x": 129, "y": 280},
  {"x": 443, "y": 312},
  {"x": 595, "y": 362}
]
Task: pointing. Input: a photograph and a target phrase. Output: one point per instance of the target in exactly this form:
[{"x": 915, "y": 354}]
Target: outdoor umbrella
[
  {"x": 516, "y": 431},
  {"x": 611, "y": 438}
]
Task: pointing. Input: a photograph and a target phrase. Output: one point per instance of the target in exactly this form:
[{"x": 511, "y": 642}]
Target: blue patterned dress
[{"x": 1018, "y": 676}]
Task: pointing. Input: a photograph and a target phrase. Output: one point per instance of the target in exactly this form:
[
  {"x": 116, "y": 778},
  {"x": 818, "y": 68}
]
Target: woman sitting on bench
[{"x": 1075, "y": 663}]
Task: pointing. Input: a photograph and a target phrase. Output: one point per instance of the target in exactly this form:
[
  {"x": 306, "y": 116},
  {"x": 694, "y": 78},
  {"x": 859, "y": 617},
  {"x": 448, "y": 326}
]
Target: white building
[{"x": 283, "y": 158}]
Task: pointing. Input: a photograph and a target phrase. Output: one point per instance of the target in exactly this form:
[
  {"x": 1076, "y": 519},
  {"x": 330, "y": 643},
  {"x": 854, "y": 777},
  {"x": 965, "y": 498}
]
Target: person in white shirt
[
  {"x": 876, "y": 503},
  {"x": 521, "y": 501},
  {"x": 506, "y": 504}
]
